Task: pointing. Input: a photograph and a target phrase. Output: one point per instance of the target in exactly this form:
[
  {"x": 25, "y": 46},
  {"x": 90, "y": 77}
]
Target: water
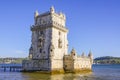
[
  {"x": 107, "y": 72},
  {"x": 100, "y": 72}
]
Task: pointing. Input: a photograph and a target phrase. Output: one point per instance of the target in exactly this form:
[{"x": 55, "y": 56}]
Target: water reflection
[
  {"x": 100, "y": 72},
  {"x": 38, "y": 76}
]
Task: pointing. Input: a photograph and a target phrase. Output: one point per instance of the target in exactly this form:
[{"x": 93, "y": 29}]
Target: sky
[{"x": 94, "y": 25}]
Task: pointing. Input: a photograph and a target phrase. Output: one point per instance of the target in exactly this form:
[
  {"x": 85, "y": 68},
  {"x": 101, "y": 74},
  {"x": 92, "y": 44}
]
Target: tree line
[
  {"x": 11, "y": 60},
  {"x": 107, "y": 60}
]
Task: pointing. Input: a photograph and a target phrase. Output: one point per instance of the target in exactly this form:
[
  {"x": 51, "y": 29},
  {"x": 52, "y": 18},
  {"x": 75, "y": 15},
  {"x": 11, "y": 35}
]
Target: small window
[
  {"x": 40, "y": 50},
  {"x": 74, "y": 54},
  {"x": 59, "y": 33},
  {"x": 51, "y": 50},
  {"x": 41, "y": 32},
  {"x": 65, "y": 65}
]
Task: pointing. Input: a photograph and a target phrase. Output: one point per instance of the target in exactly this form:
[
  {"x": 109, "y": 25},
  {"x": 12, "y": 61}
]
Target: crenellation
[{"x": 51, "y": 17}]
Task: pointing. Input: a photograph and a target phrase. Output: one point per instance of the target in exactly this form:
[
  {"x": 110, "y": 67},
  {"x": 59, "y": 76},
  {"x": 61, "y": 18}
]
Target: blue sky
[{"x": 93, "y": 25}]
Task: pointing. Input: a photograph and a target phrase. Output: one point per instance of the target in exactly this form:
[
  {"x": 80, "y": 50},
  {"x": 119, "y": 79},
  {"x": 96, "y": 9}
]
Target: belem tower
[{"x": 49, "y": 48}]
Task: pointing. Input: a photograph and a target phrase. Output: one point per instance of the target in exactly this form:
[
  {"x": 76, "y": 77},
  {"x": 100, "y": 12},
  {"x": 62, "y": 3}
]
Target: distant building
[{"x": 49, "y": 48}]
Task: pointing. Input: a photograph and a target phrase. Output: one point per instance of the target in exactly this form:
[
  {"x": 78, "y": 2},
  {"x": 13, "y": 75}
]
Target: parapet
[
  {"x": 75, "y": 55},
  {"x": 50, "y": 16}
]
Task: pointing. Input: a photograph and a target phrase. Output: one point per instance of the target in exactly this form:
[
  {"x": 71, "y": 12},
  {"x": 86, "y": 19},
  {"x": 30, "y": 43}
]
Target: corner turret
[
  {"x": 90, "y": 56},
  {"x": 52, "y": 10},
  {"x": 36, "y": 14},
  {"x": 30, "y": 53},
  {"x": 73, "y": 53},
  {"x": 83, "y": 54}
]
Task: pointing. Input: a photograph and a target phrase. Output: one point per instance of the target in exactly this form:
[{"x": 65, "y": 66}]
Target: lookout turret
[
  {"x": 52, "y": 10},
  {"x": 36, "y": 14},
  {"x": 90, "y": 56}
]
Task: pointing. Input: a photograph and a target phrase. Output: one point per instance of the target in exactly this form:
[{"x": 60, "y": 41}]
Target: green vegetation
[
  {"x": 107, "y": 60},
  {"x": 12, "y": 60}
]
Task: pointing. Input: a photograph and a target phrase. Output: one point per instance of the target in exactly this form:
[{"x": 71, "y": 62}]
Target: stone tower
[
  {"x": 49, "y": 41},
  {"x": 49, "y": 46}
]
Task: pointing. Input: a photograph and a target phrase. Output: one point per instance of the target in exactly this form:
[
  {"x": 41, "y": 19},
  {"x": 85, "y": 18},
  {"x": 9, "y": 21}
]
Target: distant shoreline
[
  {"x": 107, "y": 60},
  {"x": 11, "y": 60}
]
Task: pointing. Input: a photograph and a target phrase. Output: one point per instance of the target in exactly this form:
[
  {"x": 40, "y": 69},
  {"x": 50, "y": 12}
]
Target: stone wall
[
  {"x": 59, "y": 40},
  {"x": 68, "y": 63},
  {"x": 41, "y": 43},
  {"x": 31, "y": 65},
  {"x": 57, "y": 64},
  {"x": 80, "y": 63}
]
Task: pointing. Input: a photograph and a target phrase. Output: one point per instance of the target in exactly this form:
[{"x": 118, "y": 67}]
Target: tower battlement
[{"x": 50, "y": 17}]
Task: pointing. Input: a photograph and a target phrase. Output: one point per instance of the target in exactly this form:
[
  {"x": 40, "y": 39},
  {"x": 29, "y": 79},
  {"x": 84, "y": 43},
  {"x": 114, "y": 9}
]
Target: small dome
[
  {"x": 83, "y": 54},
  {"x": 90, "y": 54},
  {"x": 73, "y": 52},
  {"x": 52, "y": 10},
  {"x": 36, "y": 13},
  {"x": 31, "y": 48}
]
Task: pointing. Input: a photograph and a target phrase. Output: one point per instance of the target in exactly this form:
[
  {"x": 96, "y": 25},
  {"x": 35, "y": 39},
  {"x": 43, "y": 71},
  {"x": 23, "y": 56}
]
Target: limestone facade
[
  {"x": 49, "y": 48},
  {"x": 73, "y": 62}
]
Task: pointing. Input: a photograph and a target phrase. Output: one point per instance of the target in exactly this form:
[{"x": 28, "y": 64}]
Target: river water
[{"x": 100, "y": 72}]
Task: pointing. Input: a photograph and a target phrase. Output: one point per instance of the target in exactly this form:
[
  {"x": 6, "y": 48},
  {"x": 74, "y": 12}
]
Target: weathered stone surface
[{"x": 49, "y": 48}]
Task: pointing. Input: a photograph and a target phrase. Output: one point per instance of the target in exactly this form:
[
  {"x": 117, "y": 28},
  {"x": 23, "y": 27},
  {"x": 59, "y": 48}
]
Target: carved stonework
[
  {"x": 31, "y": 52},
  {"x": 52, "y": 10},
  {"x": 59, "y": 40},
  {"x": 51, "y": 50},
  {"x": 30, "y": 56},
  {"x": 73, "y": 52},
  {"x": 59, "y": 43},
  {"x": 40, "y": 41}
]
